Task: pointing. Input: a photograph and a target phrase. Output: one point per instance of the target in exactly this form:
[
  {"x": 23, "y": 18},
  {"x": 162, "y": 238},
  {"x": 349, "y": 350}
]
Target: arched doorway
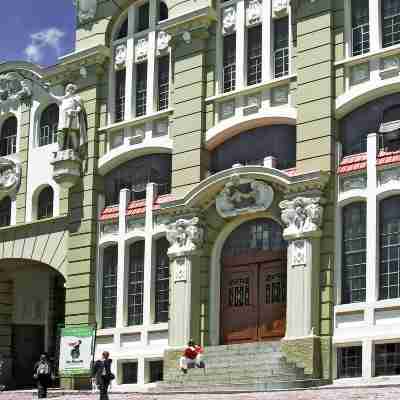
[
  {"x": 35, "y": 314},
  {"x": 253, "y": 283}
]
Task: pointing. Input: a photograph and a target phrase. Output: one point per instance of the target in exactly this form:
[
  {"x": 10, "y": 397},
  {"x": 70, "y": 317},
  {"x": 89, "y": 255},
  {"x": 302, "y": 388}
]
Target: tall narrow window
[
  {"x": 359, "y": 27},
  {"x": 143, "y": 18},
  {"x": 281, "y": 47},
  {"x": 163, "y": 11},
  {"x": 8, "y": 140},
  {"x": 254, "y": 51},
  {"x": 141, "y": 89},
  {"x": 5, "y": 212},
  {"x": 48, "y": 125},
  {"x": 123, "y": 30},
  {"x": 389, "y": 284},
  {"x": 229, "y": 63},
  {"x": 110, "y": 267},
  {"x": 390, "y": 22},
  {"x": 135, "y": 283},
  {"x": 120, "y": 77},
  {"x": 45, "y": 203},
  {"x": 162, "y": 281},
  {"x": 163, "y": 82},
  {"x": 354, "y": 253}
]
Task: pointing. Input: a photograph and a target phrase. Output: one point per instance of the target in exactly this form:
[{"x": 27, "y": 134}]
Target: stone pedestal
[{"x": 67, "y": 168}]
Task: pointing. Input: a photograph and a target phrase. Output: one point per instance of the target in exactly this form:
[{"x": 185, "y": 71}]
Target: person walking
[
  {"x": 101, "y": 373},
  {"x": 43, "y": 375}
]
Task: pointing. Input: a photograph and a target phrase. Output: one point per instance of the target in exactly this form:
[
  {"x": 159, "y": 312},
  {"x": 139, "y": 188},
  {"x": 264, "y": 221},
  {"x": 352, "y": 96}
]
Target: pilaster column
[
  {"x": 302, "y": 217},
  {"x": 186, "y": 237}
]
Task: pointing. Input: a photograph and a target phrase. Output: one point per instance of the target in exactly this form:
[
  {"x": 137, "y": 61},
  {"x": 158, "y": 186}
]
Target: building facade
[{"x": 239, "y": 182}]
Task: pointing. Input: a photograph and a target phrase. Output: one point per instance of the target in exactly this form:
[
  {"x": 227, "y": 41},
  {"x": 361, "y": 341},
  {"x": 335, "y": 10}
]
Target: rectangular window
[
  {"x": 349, "y": 362},
  {"x": 5, "y": 212},
  {"x": 135, "y": 283},
  {"x": 110, "y": 267},
  {"x": 143, "y": 18},
  {"x": 390, "y": 22},
  {"x": 281, "y": 47},
  {"x": 229, "y": 61},
  {"x": 163, "y": 83},
  {"x": 162, "y": 281},
  {"x": 120, "y": 78},
  {"x": 141, "y": 89},
  {"x": 129, "y": 372},
  {"x": 155, "y": 371},
  {"x": 354, "y": 253},
  {"x": 387, "y": 359},
  {"x": 254, "y": 51},
  {"x": 359, "y": 27}
]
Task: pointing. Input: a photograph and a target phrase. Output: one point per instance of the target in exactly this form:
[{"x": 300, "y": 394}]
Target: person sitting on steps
[{"x": 192, "y": 357}]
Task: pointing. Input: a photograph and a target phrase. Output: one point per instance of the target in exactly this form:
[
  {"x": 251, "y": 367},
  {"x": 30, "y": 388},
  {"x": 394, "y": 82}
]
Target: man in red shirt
[{"x": 192, "y": 357}]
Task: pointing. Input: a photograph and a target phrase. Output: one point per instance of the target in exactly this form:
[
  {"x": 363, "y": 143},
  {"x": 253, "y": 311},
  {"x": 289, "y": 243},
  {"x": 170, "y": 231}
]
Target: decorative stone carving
[
  {"x": 301, "y": 215},
  {"x": 141, "y": 49},
  {"x": 10, "y": 176},
  {"x": 253, "y": 12},
  {"x": 185, "y": 235},
  {"x": 352, "y": 182},
  {"x": 243, "y": 196},
  {"x": 391, "y": 175},
  {"x": 181, "y": 270},
  {"x": 163, "y": 39},
  {"x": 280, "y": 8},
  {"x": 14, "y": 88},
  {"x": 120, "y": 56},
  {"x": 86, "y": 9},
  {"x": 298, "y": 253},
  {"x": 228, "y": 20},
  {"x": 187, "y": 37},
  {"x": 67, "y": 168}
]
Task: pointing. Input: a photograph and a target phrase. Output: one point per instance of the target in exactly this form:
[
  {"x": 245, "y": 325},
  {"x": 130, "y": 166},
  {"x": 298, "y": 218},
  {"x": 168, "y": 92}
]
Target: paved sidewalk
[{"x": 363, "y": 393}]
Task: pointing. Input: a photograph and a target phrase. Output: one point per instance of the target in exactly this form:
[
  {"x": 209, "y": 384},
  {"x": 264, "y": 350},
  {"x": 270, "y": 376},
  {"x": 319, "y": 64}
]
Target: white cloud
[{"x": 40, "y": 41}]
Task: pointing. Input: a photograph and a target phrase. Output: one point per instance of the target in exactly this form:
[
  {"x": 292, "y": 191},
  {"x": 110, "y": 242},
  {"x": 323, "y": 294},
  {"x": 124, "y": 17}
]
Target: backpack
[{"x": 43, "y": 369}]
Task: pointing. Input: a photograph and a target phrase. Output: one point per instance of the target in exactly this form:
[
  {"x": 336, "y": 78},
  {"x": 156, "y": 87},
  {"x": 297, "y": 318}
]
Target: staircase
[{"x": 258, "y": 366}]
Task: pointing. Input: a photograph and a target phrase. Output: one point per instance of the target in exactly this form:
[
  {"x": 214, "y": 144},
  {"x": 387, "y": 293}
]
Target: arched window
[
  {"x": 163, "y": 11},
  {"x": 389, "y": 129},
  {"x": 5, "y": 212},
  {"x": 48, "y": 125},
  {"x": 109, "y": 292},
  {"x": 251, "y": 147},
  {"x": 135, "y": 283},
  {"x": 8, "y": 140},
  {"x": 136, "y": 174},
  {"x": 162, "y": 281},
  {"x": 389, "y": 283},
  {"x": 123, "y": 30},
  {"x": 354, "y": 253},
  {"x": 45, "y": 203}
]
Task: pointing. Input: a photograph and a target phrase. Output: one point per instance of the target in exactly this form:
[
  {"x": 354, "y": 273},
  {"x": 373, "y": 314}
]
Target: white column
[
  {"x": 266, "y": 41},
  {"x": 151, "y": 193},
  {"x": 375, "y": 33},
  {"x": 151, "y": 61},
  {"x": 219, "y": 56},
  {"x": 121, "y": 272},
  {"x": 371, "y": 268},
  {"x": 241, "y": 53},
  {"x": 347, "y": 28},
  {"x": 130, "y": 65},
  {"x": 367, "y": 358}
]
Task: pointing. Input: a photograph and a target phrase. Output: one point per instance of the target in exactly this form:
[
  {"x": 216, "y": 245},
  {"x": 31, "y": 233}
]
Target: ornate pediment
[
  {"x": 86, "y": 10},
  {"x": 10, "y": 176},
  {"x": 14, "y": 88},
  {"x": 242, "y": 196}
]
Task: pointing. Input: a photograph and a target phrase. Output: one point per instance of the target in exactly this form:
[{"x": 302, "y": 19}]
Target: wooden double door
[{"x": 253, "y": 300}]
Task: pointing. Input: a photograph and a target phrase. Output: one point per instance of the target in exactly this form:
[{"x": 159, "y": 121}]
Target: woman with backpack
[
  {"x": 101, "y": 373},
  {"x": 43, "y": 375}
]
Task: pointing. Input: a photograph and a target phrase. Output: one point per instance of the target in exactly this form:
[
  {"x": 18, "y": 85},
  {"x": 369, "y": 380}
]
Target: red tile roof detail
[
  {"x": 136, "y": 207},
  {"x": 355, "y": 162},
  {"x": 388, "y": 157},
  {"x": 110, "y": 212},
  {"x": 290, "y": 171}
]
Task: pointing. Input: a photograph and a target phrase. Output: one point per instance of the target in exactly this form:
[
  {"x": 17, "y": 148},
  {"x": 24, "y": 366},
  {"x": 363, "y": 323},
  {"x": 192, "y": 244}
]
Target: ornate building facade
[{"x": 225, "y": 171}]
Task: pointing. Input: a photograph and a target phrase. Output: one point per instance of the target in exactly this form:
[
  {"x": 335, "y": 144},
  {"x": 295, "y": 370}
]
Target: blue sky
[{"x": 36, "y": 30}]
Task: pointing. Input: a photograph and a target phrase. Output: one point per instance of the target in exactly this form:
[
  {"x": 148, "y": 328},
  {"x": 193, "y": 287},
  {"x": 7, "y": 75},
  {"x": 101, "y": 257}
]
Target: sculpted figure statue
[{"x": 72, "y": 124}]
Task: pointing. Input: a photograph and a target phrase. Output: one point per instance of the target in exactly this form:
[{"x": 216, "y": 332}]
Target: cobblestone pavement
[{"x": 367, "y": 393}]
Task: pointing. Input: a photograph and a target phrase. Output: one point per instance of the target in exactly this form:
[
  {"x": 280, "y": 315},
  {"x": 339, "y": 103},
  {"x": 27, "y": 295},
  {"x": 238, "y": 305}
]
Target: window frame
[
  {"x": 10, "y": 141},
  {"x": 114, "y": 286},
  {"x": 52, "y": 137},
  {"x": 43, "y": 210}
]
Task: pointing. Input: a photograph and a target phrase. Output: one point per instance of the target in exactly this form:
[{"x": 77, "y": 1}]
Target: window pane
[
  {"x": 5, "y": 212},
  {"x": 129, "y": 372},
  {"x": 390, "y": 22},
  {"x": 354, "y": 253},
  {"x": 49, "y": 125},
  {"x": 135, "y": 283},
  {"x": 360, "y": 27},
  {"x": 350, "y": 362},
  {"x": 120, "y": 77},
  {"x": 162, "y": 281},
  {"x": 254, "y": 51},
  {"x": 163, "y": 11},
  {"x": 141, "y": 88},
  {"x": 389, "y": 284},
  {"x": 123, "y": 30},
  {"x": 387, "y": 359},
  {"x": 229, "y": 63},
  {"x": 110, "y": 263},
  {"x": 45, "y": 203},
  {"x": 163, "y": 82},
  {"x": 143, "y": 17},
  {"x": 8, "y": 143},
  {"x": 281, "y": 47}
]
